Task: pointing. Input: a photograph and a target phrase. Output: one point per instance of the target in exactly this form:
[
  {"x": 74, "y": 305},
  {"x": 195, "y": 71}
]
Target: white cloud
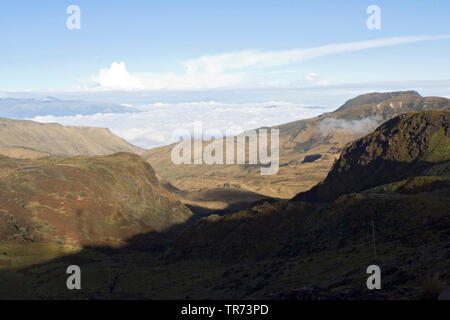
[
  {"x": 361, "y": 126},
  {"x": 259, "y": 58},
  {"x": 311, "y": 76},
  {"x": 287, "y": 71},
  {"x": 233, "y": 70},
  {"x": 316, "y": 79},
  {"x": 117, "y": 77}
]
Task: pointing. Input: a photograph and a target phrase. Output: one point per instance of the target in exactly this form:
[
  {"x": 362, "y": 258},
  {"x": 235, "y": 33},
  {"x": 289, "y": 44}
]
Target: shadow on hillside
[
  {"x": 204, "y": 211},
  {"x": 205, "y": 202},
  {"x": 191, "y": 254},
  {"x": 359, "y": 178},
  {"x": 110, "y": 263}
]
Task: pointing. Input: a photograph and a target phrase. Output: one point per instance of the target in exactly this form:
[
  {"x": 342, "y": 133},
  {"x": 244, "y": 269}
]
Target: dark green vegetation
[{"x": 398, "y": 177}]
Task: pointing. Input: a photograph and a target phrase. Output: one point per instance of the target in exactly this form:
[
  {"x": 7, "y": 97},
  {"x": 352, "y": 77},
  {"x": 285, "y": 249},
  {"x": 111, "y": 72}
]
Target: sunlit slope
[
  {"x": 308, "y": 148},
  {"x": 80, "y": 201},
  {"x": 22, "y": 153},
  {"x": 61, "y": 140}
]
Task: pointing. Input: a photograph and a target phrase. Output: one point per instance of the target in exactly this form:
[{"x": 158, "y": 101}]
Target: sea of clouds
[{"x": 155, "y": 124}]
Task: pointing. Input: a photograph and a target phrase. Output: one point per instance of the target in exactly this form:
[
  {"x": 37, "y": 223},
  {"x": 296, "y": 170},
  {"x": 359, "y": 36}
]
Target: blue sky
[{"x": 153, "y": 45}]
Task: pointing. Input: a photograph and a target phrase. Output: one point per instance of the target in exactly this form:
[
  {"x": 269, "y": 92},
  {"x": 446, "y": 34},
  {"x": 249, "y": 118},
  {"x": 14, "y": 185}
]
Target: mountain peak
[
  {"x": 384, "y": 106},
  {"x": 376, "y": 97}
]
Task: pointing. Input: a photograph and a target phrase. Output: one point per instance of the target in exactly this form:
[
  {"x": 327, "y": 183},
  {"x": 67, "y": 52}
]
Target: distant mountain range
[{"x": 30, "y": 108}]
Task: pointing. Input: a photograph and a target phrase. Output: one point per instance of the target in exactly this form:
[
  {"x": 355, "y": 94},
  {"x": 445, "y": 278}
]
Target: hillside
[
  {"x": 22, "y": 153},
  {"x": 301, "y": 250},
  {"x": 58, "y": 140},
  {"x": 308, "y": 148},
  {"x": 295, "y": 249},
  {"x": 83, "y": 201},
  {"x": 400, "y": 148}
]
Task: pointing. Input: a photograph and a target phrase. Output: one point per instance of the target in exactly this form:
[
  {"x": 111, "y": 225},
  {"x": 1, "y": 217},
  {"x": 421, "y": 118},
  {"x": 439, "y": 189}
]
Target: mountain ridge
[
  {"x": 375, "y": 97},
  {"x": 401, "y": 147},
  {"x": 59, "y": 140}
]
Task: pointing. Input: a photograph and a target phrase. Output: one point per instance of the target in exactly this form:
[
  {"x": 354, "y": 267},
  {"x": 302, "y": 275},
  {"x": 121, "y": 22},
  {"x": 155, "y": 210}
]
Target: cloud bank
[{"x": 154, "y": 126}]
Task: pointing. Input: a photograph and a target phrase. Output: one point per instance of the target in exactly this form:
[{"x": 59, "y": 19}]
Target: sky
[
  {"x": 145, "y": 52},
  {"x": 182, "y": 45}
]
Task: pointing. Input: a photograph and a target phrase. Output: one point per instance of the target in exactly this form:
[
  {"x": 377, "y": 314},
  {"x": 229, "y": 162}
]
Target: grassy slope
[
  {"x": 288, "y": 249},
  {"x": 82, "y": 201},
  {"x": 282, "y": 250},
  {"x": 61, "y": 140},
  {"x": 22, "y": 153}
]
